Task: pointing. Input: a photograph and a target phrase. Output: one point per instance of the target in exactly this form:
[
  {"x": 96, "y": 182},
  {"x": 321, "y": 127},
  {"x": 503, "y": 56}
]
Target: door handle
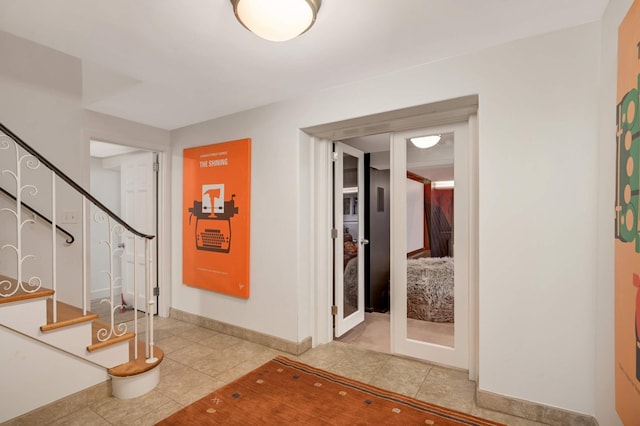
[
  {"x": 121, "y": 245},
  {"x": 364, "y": 241}
]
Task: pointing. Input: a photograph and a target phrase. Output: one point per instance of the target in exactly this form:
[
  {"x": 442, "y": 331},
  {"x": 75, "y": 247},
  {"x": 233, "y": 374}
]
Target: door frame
[
  {"x": 321, "y": 138},
  {"x": 163, "y": 225}
]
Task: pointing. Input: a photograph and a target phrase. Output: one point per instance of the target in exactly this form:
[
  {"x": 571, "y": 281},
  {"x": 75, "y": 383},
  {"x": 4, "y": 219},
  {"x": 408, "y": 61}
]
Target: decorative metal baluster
[
  {"x": 34, "y": 283},
  {"x": 135, "y": 296},
  {"x": 54, "y": 262},
  {"x": 120, "y": 329},
  {"x": 149, "y": 295},
  {"x": 84, "y": 255}
]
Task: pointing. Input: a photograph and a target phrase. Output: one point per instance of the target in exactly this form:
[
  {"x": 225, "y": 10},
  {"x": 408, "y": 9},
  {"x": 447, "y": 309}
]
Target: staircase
[{"x": 51, "y": 345}]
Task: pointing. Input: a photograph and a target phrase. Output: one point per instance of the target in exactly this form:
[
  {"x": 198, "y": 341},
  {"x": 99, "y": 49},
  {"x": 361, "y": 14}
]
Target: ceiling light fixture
[
  {"x": 426, "y": 141},
  {"x": 443, "y": 184},
  {"x": 279, "y": 20}
]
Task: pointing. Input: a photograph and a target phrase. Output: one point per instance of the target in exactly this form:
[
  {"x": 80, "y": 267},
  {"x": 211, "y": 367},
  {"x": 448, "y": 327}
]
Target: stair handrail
[
  {"x": 71, "y": 182},
  {"x": 70, "y": 238}
]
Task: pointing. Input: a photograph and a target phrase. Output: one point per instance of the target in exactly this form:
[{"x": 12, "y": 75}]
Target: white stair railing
[{"x": 22, "y": 171}]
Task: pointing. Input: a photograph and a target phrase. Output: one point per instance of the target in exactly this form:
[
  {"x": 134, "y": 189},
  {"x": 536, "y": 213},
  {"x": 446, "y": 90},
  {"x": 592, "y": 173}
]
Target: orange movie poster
[
  {"x": 216, "y": 217},
  {"x": 627, "y": 226}
]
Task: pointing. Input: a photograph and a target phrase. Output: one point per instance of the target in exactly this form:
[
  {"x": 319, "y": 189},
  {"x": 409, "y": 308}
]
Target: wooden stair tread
[
  {"x": 96, "y": 344},
  {"x": 138, "y": 366},
  {"x": 20, "y": 294},
  {"x": 67, "y": 315}
]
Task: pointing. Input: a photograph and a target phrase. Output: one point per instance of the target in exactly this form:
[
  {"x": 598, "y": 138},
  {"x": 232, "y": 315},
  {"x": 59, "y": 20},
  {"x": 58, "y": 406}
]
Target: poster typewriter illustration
[
  {"x": 213, "y": 219},
  {"x": 216, "y": 217}
]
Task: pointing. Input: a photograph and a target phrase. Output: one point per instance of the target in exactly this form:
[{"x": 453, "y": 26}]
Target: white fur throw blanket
[{"x": 430, "y": 289}]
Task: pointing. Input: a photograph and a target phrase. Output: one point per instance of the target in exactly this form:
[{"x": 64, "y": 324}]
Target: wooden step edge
[
  {"x": 137, "y": 366},
  {"x": 67, "y": 315},
  {"x": 96, "y": 326},
  {"x": 20, "y": 294}
]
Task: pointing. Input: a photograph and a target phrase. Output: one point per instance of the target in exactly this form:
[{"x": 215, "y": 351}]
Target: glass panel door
[
  {"x": 429, "y": 279},
  {"x": 350, "y": 239}
]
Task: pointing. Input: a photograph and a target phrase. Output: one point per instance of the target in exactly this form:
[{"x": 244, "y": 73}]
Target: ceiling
[{"x": 170, "y": 63}]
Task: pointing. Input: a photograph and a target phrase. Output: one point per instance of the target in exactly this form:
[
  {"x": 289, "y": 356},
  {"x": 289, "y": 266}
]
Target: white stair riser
[
  {"x": 135, "y": 386},
  {"x": 110, "y": 356},
  {"x": 73, "y": 338},
  {"x": 77, "y": 338},
  {"x": 25, "y": 316}
]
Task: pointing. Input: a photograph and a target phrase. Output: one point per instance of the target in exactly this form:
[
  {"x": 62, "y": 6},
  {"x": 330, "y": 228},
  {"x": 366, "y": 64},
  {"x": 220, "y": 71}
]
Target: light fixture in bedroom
[
  {"x": 425, "y": 142},
  {"x": 279, "y": 20},
  {"x": 443, "y": 184}
]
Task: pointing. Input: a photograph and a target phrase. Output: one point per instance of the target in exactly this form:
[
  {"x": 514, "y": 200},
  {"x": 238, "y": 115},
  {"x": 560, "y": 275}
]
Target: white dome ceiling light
[
  {"x": 278, "y": 20},
  {"x": 425, "y": 142}
]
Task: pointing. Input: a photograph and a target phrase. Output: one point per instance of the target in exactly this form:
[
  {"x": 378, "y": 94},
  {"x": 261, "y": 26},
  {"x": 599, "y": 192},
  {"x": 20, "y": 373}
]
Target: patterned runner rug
[{"x": 286, "y": 392}]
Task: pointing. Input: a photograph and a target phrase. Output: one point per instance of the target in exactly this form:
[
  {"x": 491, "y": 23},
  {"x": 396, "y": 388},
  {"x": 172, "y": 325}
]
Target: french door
[
  {"x": 430, "y": 256},
  {"x": 349, "y": 238}
]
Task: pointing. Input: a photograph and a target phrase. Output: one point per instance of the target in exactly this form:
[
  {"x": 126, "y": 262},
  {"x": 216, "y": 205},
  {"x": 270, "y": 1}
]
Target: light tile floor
[{"x": 198, "y": 361}]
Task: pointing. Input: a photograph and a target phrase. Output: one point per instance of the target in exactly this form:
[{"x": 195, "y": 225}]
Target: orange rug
[{"x": 285, "y": 392}]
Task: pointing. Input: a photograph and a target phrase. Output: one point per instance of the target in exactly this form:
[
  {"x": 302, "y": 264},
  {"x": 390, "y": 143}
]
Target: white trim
[
  {"x": 409, "y": 118},
  {"x": 163, "y": 257},
  {"x": 473, "y": 247},
  {"x": 103, "y": 293},
  {"x": 321, "y": 263}
]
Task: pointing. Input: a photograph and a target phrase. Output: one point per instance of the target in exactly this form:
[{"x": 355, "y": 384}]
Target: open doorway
[
  {"x": 430, "y": 238},
  {"x": 374, "y": 331},
  {"x": 460, "y": 112},
  {"x": 125, "y": 180}
]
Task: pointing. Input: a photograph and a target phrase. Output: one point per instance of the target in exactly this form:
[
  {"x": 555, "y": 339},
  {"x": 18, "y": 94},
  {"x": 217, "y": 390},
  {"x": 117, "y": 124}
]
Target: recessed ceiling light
[{"x": 425, "y": 141}]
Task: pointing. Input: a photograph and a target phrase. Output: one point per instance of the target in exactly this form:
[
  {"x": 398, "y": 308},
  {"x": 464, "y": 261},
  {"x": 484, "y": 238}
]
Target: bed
[{"x": 430, "y": 289}]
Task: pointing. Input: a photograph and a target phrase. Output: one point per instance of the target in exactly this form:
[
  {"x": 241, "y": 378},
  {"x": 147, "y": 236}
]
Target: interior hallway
[{"x": 198, "y": 361}]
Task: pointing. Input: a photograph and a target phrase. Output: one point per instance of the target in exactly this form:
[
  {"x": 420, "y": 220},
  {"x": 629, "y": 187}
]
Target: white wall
[
  {"x": 538, "y": 168},
  {"x": 604, "y": 312}
]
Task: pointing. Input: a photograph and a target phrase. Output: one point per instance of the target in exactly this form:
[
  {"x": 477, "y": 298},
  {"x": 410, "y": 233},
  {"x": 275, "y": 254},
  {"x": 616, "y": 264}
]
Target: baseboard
[
  {"x": 531, "y": 410},
  {"x": 104, "y": 293},
  {"x": 273, "y": 342}
]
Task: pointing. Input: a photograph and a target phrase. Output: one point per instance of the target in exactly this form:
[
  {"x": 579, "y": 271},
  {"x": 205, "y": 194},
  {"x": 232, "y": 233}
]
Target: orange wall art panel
[
  {"x": 627, "y": 216},
  {"x": 216, "y": 217}
]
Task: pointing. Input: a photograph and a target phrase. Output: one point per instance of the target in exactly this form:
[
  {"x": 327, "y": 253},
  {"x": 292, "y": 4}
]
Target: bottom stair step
[
  {"x": 137, "y": 366},
  {"x": 137, "y": 377}
]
